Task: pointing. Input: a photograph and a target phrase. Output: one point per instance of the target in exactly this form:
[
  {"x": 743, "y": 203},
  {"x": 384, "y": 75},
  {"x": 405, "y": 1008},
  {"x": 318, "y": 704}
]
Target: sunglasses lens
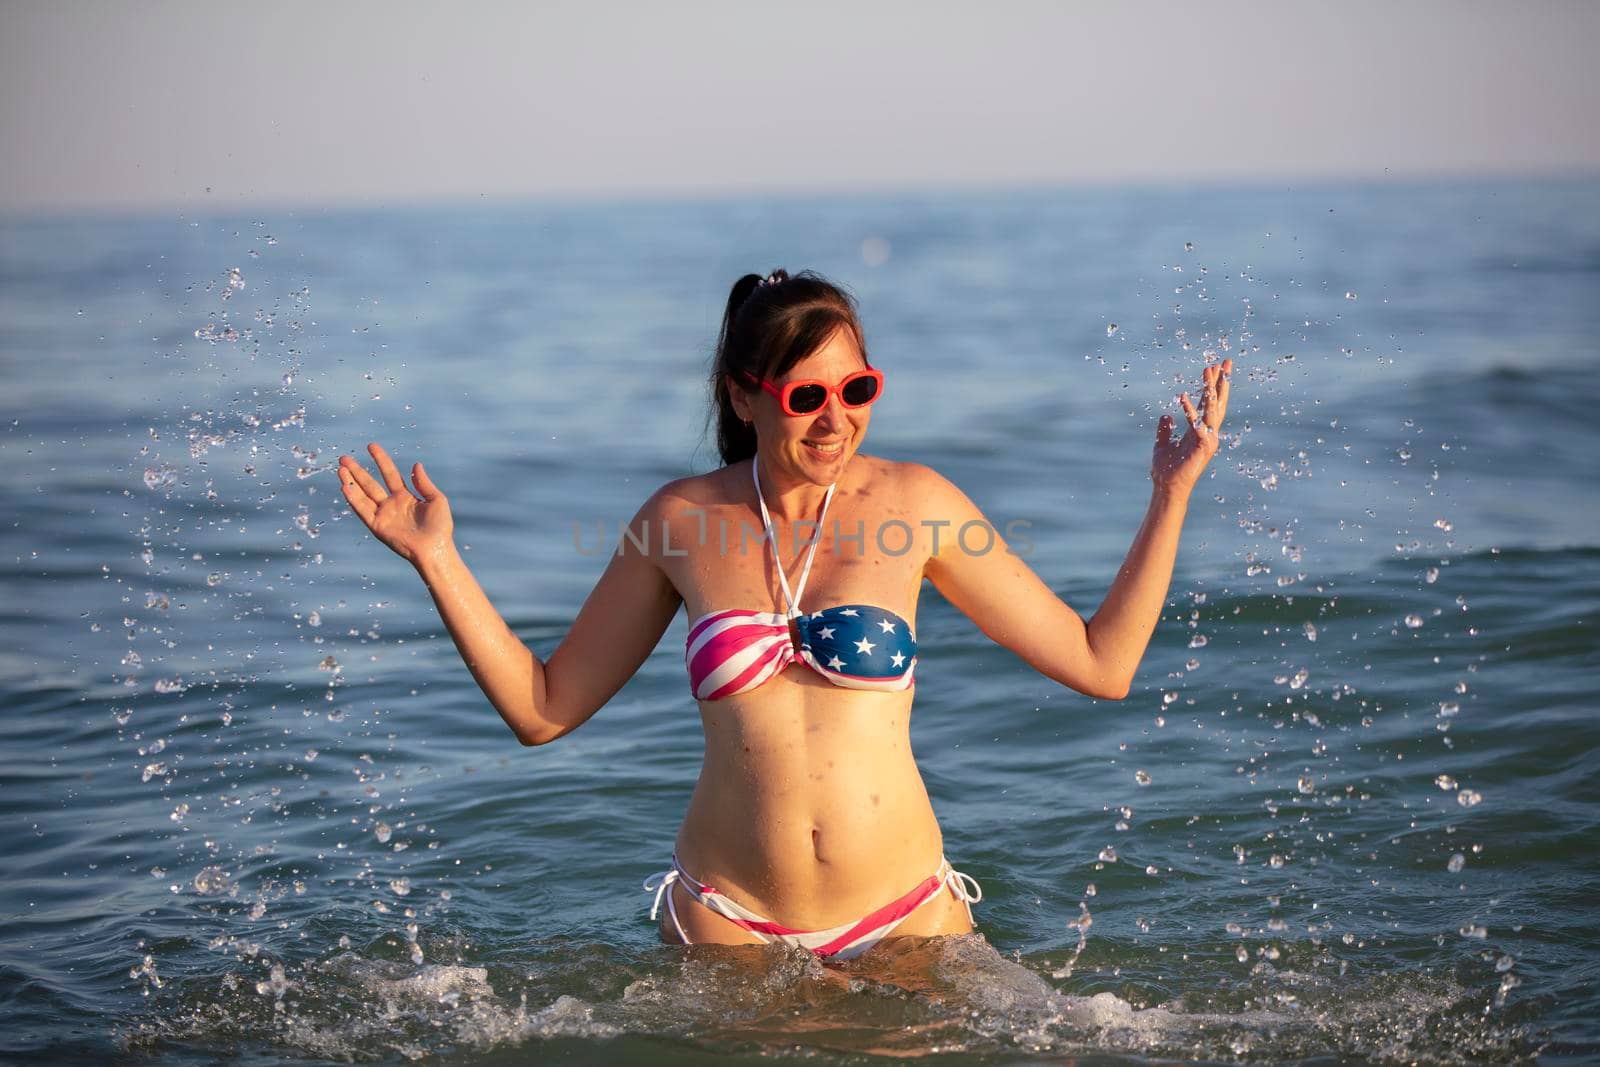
[
  {"x": 858, "y": 391},
  {"x": 807, "y": 398}
]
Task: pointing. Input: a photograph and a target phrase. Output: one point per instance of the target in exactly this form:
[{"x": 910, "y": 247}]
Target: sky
[{"x": 190, "y": 105}]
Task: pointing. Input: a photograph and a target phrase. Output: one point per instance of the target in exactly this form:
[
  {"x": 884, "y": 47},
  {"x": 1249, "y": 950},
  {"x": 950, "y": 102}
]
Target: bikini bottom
[{"x": 843, "y": 942}]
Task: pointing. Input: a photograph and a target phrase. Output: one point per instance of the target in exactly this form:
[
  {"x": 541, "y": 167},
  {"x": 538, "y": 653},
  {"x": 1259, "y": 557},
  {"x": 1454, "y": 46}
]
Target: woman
[{"x": 799, "y": 563}]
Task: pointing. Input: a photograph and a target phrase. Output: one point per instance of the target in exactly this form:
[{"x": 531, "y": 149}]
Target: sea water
[{"x": 257, "y": 809}]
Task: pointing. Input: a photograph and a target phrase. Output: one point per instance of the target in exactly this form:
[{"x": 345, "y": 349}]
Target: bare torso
[{"x": 809, "y": 808}]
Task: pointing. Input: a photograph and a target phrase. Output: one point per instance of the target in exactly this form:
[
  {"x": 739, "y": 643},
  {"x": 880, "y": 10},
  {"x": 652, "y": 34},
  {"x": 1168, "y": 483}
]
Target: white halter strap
[{"x": 793, "y": 599}]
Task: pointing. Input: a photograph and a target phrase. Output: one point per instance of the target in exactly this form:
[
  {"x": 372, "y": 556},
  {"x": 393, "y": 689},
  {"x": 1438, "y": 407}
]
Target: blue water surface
[{"x": 256, "y": 808}]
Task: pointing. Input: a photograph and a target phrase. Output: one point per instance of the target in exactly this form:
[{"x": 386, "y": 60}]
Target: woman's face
[{"x": 817, "y": 446}]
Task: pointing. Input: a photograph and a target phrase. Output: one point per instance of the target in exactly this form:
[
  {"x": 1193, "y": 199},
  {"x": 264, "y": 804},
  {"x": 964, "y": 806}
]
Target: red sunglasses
[{"x": 808, "y": 395}]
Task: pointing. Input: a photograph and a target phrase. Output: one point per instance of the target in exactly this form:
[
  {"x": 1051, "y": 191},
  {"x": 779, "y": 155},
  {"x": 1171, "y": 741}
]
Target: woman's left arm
[{"x": 1000, "y": 593}]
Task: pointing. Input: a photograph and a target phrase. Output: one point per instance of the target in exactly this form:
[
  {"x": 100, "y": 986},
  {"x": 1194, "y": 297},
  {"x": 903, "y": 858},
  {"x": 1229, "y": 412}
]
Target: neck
[{"x": 789, "y": 500}]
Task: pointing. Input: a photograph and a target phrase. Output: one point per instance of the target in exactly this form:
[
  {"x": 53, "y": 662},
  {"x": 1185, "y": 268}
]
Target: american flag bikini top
[{"x": 857, "y": 646}]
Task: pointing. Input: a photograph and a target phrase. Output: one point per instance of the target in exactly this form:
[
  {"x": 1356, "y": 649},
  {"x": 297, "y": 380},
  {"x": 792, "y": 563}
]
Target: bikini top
[{"x": 857, "y": 646}]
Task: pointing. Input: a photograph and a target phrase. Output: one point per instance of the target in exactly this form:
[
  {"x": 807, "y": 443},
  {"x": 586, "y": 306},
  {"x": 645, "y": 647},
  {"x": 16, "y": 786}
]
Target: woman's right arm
[{"x": 618, "y": 626}]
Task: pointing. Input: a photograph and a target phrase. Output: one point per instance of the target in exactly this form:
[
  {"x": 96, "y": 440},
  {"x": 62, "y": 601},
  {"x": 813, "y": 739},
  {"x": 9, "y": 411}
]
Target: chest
[{"x": 725, "y": 559}]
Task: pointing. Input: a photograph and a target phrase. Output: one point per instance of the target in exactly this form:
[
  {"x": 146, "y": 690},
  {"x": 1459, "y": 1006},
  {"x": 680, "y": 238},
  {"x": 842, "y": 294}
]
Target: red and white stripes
[
  {"x": 844, "y": 941},
  {"x": 735, "y": 650}
]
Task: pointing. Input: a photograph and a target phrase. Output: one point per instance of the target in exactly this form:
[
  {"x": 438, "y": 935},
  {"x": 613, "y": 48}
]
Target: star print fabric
[{"x": 857, "y": 643}]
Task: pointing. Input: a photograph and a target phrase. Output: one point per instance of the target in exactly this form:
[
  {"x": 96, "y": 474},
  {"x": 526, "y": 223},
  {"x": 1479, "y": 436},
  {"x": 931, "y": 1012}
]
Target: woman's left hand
[{"x": 1177, "y": 465}]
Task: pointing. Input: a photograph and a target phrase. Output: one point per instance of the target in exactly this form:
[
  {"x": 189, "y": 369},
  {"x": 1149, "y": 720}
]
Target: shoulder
[
  {"x": 913, "y": 486},
  {"x": 698, "y": 492}
]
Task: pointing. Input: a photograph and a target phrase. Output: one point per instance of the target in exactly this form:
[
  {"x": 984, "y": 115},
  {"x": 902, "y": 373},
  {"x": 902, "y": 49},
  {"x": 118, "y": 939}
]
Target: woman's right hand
[{"x": 417, "y": 530}]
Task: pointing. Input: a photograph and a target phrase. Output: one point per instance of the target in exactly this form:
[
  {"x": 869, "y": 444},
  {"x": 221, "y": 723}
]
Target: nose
[{"x": 832, "y": 416}]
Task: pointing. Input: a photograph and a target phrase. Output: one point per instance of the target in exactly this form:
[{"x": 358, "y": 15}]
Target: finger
[
  {"x": 1218, "y": 408},
  {"x": 424, "y": 484},
  {"x": 1164, "y": 432},
  {"x": 360, "y": 503},
  {"x": 367, "y": 483},
  {"x": 386, "y": 467},
  {"x": 1189, "y": 412}
]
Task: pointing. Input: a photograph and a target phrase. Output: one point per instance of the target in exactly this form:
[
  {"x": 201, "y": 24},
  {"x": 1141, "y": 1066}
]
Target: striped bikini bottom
[{"x": 843, "y": 942}]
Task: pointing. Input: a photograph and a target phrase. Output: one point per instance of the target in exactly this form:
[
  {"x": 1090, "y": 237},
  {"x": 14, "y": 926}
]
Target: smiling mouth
[{"x": 829, "y": 451}]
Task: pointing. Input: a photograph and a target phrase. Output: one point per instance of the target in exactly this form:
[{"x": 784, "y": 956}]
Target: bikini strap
[
  {"x": 792, "y": 599},
  {"x": 962, "y": 885},
  {"x": 661, "y": 885}
]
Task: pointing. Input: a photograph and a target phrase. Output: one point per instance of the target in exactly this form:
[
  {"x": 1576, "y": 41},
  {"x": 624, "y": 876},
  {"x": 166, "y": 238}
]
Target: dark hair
[{"x": 771, "y": 324}]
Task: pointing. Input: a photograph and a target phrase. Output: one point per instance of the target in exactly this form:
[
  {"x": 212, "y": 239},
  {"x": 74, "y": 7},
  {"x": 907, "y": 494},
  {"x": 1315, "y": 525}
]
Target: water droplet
[
  {"x": 1142, "y": 777},
  {"x": 400, "y": 886},
  {"x": 1108, "y": 855},
  {"x": 1469, "y": 798},
  {"x": 1198, "y": 641},
  {"x": 1275, "y": 861},
  {"x": 1306, "y": 785},
  {"x": 1241, "y": 954},
  {"x": 314, "y": 619},
  {"x": 212, "y": 881},
  {"x": 1432, "y": 575},
  {"x": 1311, "y": 631},
  {"x": 1445, "y": 782},
  {"x": 1413, "y": 621},
  {"x": 382, "y": 832},
  {"x": 1473, "y": 930},
  {"x": 1111, "y": 328},
  {"x": 161, "y": 477},
  {"x": 1350, "y": 295},
  {"x": 276, "y": 984},
  {"x": 1457, "y": 861}
]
